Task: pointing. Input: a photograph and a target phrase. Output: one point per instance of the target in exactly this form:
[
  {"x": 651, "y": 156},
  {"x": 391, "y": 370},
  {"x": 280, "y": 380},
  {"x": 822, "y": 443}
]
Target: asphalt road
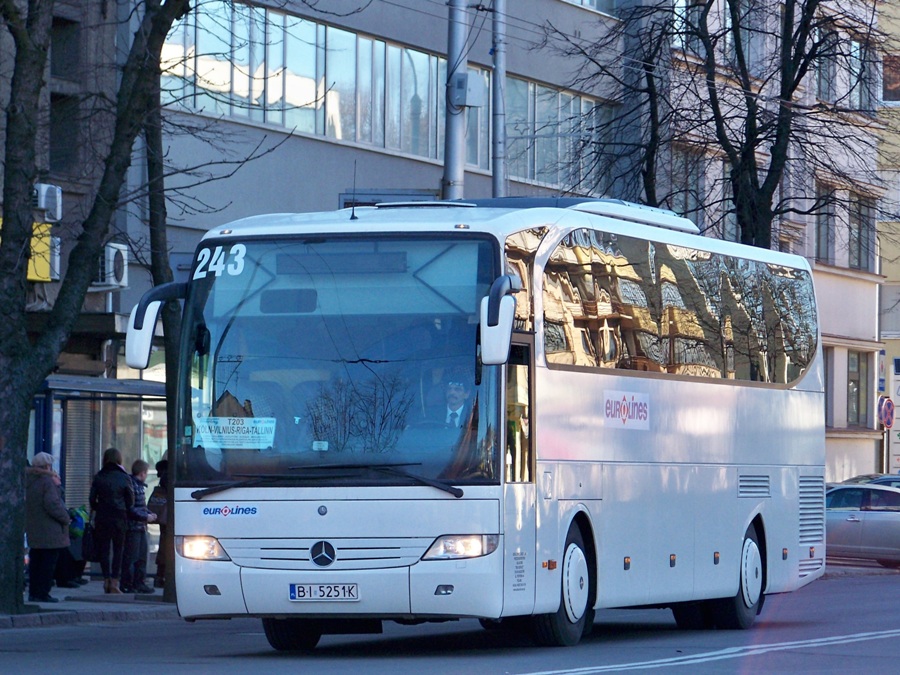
[{"x": 845, "y": 623}]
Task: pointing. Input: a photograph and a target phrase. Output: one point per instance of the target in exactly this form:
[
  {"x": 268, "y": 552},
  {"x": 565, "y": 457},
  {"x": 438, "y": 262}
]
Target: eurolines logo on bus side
[
  {"x": 627, "y": 410},
  {"x": 229, "y": 511}
]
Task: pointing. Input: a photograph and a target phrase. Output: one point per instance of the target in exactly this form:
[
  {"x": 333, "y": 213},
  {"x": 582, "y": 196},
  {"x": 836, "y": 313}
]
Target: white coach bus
[{"x": 421, "y": 412}]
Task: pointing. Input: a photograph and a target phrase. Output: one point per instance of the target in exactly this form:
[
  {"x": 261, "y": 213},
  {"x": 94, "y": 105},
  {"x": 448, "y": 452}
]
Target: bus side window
[{"x": 518, "y": 415}]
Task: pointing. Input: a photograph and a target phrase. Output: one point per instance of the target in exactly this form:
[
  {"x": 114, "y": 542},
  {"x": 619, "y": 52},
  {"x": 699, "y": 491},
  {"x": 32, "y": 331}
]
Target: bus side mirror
[
  {"x": 138, "y": 341},
  {"x": 142, "y": 322},
  {"x": 498, "y": 311}
]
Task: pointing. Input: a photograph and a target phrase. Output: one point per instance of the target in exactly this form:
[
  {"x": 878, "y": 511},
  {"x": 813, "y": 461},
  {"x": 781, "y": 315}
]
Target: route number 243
[{"x": 216, "y": 261}]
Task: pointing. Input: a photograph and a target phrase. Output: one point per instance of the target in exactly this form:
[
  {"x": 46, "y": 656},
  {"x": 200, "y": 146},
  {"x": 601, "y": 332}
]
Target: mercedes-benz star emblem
[{"x": 322, "y": 553}]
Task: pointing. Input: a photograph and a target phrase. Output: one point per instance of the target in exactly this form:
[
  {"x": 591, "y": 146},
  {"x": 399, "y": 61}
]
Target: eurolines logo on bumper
[
  {"x": 229, "y": 511},
  {"x": 627, "y": 410}
]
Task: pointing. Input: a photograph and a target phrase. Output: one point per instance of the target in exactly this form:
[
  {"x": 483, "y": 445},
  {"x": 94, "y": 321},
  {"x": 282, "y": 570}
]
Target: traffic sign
[{"x": 886, "y": 412}]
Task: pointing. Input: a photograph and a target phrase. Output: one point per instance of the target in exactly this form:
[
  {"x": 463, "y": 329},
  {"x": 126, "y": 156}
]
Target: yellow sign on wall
[{"x": 39, "y": 262}]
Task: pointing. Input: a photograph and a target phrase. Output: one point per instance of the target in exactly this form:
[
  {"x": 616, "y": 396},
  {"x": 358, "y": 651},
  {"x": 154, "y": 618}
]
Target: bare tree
[
  {"x": 25, "y": 361},
  {"x": 743, "y": 114}
]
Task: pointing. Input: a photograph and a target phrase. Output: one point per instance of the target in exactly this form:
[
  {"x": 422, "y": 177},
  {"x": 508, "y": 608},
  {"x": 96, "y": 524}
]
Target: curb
[{"x": 70, "y": 617}]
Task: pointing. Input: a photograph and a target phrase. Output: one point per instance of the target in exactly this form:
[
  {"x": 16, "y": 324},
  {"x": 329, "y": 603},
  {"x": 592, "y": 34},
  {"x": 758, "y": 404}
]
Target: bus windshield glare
[{"x": 338, "y": 361}]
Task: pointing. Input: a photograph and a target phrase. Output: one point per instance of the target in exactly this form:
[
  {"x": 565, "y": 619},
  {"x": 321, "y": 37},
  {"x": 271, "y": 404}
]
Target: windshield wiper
[
  {"x": 248, "y": 481},
  {"x": 422, "y": 480},
  {"x": 395, "y": 470}
]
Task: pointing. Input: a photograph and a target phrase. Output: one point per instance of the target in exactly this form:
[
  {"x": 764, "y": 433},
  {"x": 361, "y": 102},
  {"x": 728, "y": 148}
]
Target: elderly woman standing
[
  {"x": 112, "y": 497},
  {"x": 46, "y": 524}
]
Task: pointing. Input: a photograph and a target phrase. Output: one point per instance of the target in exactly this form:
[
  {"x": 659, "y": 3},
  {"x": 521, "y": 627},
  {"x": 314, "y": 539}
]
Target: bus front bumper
[{"x": 428, "y": 590}]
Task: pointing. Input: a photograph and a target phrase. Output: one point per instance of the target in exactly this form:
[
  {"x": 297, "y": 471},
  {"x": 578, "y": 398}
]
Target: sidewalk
[{"x": 89, "y": 604}]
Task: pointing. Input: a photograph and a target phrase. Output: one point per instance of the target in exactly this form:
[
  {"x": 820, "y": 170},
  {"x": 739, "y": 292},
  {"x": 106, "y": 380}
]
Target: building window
[
  {"x": 606, "y": 6},
  {"x": 750, "y": 30},
  {"x": 860, "y": 242},
  {"x": 688, "y": 14},
  {"x": 825, "y": 226},
  {"x": 826, "y": 65},
  {"x": 687, "y": 185},
  {"x": 65, "y": 49},
  {"x": 861, "y": 77},
  {"x": 890, "y": 91},
  {"x": 857, "y": 389},
  {"x": 249, "y": 62},
  {"x": 65, "y": 124},
  {"x": 550, "y": 134}
]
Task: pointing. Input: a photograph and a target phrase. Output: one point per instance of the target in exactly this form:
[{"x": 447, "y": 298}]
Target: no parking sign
[{"x": 886, "y": 412}]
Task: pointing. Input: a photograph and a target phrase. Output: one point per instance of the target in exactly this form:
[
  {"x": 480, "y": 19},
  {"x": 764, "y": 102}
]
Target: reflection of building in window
[
  {"x": 620, "y": 302},
  {"x": 520, "y": 251}
]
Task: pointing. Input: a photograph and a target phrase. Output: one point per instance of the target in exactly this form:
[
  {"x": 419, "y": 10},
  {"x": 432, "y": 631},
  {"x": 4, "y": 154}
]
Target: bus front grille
[{"x": 344, "y": 554}]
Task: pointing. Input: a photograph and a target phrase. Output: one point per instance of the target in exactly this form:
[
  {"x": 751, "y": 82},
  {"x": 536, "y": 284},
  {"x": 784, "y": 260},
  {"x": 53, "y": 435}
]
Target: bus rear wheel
[
  {"x": 740, "y": 612},
  {"x": 575, "y": 616},
  {"x": 292, "y": 635}
]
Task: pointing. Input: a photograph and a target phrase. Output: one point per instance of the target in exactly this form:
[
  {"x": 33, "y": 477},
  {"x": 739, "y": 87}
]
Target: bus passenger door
[{"x": 519, "y": 489}]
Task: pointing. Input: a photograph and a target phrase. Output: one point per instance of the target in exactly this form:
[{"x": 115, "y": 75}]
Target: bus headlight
[
  {"x": 200, "y": 548},
  {"x": 452, "y": 546}
]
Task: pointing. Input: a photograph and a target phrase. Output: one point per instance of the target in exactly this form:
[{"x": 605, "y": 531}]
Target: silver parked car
[
  {"x": 890, "y": 479},
  {"x": 863, "y": 521}
]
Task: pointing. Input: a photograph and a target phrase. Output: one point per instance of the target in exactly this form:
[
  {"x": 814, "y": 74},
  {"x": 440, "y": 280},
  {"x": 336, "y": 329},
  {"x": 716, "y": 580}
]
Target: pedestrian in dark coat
[
  {"x": 112, "y": 497},
  {"x": 46, "y": 525}
]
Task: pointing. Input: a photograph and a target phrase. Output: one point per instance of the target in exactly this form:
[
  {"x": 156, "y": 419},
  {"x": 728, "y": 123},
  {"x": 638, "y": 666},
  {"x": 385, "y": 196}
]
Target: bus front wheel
[
  {"x": 740, "y": 612},
  {"x": 291, "y": 635},
  {"x": 575, "y": 616}
]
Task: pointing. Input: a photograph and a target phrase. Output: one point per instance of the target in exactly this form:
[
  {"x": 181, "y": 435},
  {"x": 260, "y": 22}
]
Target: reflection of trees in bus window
[{"x": 677, "y": 310}]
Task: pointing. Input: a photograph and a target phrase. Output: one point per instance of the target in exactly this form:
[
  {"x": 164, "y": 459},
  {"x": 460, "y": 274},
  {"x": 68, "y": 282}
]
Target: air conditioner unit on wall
[
  {"x": 48, "y": 198},
  {"x": 113, "y": 268}
]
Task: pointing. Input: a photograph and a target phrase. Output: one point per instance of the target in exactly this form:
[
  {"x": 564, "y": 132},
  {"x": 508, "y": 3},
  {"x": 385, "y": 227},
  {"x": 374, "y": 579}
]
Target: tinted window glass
[
  {"x": 662, "y": 308},
  {"x": 845, "y": 500}
]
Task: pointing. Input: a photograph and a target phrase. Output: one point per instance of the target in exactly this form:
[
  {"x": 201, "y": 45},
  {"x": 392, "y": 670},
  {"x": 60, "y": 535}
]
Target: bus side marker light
[
  {"x": 672, "y": 560},
  {"x": 716, "y": 558},
  {"x": 212, "y": 589},
  {"x": 812, "y": 551},
  {"x": 549, "y": 565},
  {"x": 627, "y": 563},
  {"x": 444, "y": 589},
  {"x": 784, "y": 554}
]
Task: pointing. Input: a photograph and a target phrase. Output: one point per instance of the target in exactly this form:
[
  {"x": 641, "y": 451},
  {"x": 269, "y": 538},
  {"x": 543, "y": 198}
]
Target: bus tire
[
  {"x": 575, "y": 616},
  {"x": 696, "y": 615},
  {"x": 291, "y": 635},
  {"x": 739, "y": 612}
]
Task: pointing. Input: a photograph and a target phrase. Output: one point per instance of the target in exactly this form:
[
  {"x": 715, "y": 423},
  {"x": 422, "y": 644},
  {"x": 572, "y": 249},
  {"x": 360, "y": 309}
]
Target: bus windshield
[{"x": 338, "y": 361}]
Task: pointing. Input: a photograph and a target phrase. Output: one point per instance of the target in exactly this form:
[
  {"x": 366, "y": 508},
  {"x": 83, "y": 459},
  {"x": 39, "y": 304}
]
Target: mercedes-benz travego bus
[{"x": 422, "y": 412}]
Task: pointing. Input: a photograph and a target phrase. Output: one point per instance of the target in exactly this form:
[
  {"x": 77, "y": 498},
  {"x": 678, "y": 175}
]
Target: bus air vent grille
[
  {"x": 754, "y": 486},
  {"x": 807, "y": 567},
  {"x": 812, "y": 510}
]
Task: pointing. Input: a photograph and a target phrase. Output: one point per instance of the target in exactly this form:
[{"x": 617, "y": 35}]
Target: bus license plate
[{"x": 324, "y": 592}]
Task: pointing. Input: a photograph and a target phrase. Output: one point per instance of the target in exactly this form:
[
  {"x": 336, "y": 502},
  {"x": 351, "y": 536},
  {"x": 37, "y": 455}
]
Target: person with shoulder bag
[{"x": 112, "y": 497}]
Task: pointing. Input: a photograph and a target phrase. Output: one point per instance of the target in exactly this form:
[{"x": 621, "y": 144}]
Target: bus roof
[{"x": 502, "y": 217}]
